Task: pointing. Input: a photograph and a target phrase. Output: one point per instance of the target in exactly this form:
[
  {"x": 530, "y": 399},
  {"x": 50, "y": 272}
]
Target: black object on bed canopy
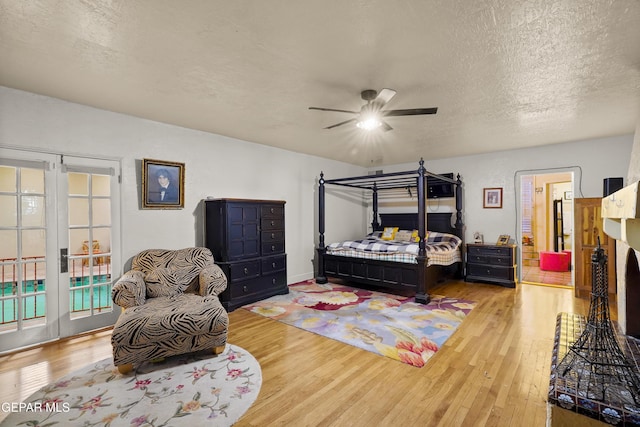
[{"x": 393, "y": 180}]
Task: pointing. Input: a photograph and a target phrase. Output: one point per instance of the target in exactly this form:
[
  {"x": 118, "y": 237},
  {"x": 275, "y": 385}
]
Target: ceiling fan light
[{"x": 369, "y": 123}]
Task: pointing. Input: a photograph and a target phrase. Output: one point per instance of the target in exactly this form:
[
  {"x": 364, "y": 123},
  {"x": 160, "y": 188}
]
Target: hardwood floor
[{"x": 493, "y": 371}]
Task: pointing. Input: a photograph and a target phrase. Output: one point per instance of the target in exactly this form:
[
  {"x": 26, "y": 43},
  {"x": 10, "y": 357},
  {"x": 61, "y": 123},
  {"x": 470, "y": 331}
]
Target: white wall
[
  {"x": 215, "y": 166},
  {"x": 593, "y": 159},
  {"x": 224, "y": 167}
]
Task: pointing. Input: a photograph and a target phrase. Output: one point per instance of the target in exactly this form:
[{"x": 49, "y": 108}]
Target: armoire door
[{"x": 588, "y": 229}]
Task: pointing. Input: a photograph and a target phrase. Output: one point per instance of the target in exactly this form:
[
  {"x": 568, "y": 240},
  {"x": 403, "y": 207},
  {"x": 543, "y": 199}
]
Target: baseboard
[{"x": 299, "y": 278}]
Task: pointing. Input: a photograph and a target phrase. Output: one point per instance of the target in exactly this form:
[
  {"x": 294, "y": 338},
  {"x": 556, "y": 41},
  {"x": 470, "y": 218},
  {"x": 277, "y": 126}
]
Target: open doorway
[{"x": 546, "y": 228}]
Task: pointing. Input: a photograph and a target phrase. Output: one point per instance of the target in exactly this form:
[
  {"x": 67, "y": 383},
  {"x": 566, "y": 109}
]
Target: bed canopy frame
[{"x": 390, "y": 274}]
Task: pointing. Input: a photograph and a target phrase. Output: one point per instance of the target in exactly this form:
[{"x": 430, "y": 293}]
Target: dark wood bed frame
[{"x": 413, "y": 278}]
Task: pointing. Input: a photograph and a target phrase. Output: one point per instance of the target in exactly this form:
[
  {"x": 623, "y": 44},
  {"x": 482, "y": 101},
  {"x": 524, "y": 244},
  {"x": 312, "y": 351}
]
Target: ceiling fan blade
[
  {"x": 386, "y": 127},
  {"x": 341, "y": 123},
  {"x": 333, "y": 109},
  {"x": 410, "y": 112},
  {"x": 385, "y": 96}
]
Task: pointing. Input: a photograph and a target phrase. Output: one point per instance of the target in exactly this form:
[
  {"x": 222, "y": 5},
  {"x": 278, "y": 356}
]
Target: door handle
[{"x": 64, "y": 260}]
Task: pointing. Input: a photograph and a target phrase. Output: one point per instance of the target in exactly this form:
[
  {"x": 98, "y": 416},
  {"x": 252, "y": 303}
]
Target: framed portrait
[
  {"x": 162, "y": 184},
  {"x": 492, "y": 198}
]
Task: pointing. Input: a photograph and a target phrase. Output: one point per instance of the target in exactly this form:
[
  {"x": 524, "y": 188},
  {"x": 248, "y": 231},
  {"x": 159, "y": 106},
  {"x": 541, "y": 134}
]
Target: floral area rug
[
  {"x": 390, "y": 325},
  {"x": 190, "y": 390}
]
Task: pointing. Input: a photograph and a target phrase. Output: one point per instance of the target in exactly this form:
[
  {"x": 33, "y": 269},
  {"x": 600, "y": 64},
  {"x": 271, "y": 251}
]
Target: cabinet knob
[
  {"x": 273, "y": 235},
  {"x": 244, "y": 288},
  {"x": 246, "y": 271},
  {"x": 273, "y": 264},
  {"x": 273, "y": 248},
  {"x": 273, "y": 281},
  {"x": 273, "y": 223}
]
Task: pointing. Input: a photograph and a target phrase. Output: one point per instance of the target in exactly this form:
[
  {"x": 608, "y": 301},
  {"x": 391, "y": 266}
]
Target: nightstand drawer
[
  {"x": 477, "y": 259},
  {"x": 490, "y": 272},
  {"x": 489, "y": 251},
  {"x": 493, "y": 260}
]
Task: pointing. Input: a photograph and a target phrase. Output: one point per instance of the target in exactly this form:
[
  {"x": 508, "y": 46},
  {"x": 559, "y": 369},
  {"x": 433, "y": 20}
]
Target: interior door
[
  {"x": 588, "y": 229},
  {"x": 28, "y": 251},
  {"x": 89, "y": 206}
]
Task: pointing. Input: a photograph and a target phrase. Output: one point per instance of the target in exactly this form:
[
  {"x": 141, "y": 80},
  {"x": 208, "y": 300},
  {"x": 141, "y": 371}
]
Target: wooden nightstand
[{"x": 491, "y": 263}]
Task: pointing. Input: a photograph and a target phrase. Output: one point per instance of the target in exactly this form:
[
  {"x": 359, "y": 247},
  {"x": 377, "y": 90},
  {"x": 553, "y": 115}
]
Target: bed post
[
  {"x": 321, "y": 277},
  {"x": 459, "y": 226},
  {"x": 421, "y": 290},
  {"x": 375, "y": 224}
]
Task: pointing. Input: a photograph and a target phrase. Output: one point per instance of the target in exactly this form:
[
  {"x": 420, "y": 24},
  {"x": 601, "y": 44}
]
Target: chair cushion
[
  {"x": 162, "y": 282},
  {"x": 163, "y": 318},
  {"x": 169, "y": 272}
]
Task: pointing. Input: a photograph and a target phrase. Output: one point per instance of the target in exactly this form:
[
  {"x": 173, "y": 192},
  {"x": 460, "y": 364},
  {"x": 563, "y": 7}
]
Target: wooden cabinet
[
  {"x": 588, "y": 228},
  {"x": 247, "y": 241},
  {"x": 492, "y": 263}
]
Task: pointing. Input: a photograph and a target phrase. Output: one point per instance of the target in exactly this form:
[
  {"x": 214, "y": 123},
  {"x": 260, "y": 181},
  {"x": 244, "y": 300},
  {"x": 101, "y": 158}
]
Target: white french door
[
  {"x": 89, "y": 208},
  {"x": 27, "y": 249},
  {"x": 59, "y": 245}
]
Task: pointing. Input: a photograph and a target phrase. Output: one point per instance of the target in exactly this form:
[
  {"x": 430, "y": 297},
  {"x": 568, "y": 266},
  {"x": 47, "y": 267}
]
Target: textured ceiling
[{"x": 503, "y": 74}]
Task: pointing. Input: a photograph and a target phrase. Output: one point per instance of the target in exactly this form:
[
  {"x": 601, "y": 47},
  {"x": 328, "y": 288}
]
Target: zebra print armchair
[{"x": 171, "y": 306}]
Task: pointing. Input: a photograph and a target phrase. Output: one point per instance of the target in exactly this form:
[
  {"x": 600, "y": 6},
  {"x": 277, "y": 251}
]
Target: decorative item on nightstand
[
  {"x": 247, "y": 241},
  {"x": 492, "y": 263},
  {"x": 503, "y": 240}
]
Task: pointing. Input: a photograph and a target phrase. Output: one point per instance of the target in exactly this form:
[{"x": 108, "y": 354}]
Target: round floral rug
[{"x": 196, "y": 389}]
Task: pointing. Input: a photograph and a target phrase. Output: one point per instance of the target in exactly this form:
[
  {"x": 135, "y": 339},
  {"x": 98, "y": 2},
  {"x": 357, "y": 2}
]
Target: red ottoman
[
  {"x": 554, "y": 261},
  {"x": 568, "y": 253}
]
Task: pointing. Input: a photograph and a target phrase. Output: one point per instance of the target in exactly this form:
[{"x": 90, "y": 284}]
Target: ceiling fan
[{"x": 371, "y": 114}]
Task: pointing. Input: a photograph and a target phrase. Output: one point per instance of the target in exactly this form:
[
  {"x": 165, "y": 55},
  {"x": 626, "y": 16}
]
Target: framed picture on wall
[
  {"x": 162, "y": 184},
  {"x": 492, "y": 198}
]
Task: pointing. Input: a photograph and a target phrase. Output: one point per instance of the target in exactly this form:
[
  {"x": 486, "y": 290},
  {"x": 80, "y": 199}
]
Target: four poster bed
[{"x": 433, "y": 250}]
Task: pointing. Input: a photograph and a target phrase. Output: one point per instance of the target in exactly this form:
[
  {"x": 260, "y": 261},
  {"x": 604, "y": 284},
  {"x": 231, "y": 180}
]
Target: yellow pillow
[
  {"x": 389, "y": 233},
  {"x": 415, "y": 236}
]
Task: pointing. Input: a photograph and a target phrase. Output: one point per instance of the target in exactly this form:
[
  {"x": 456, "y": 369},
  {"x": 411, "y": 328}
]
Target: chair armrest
[
  {"x": 130, "y": 290},
  {"x": 212, "y": 280}
]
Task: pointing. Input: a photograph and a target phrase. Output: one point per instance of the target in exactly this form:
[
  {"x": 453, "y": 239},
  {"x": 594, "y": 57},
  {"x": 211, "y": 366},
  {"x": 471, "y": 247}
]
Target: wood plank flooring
[{"x": 493, "y": 371}]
